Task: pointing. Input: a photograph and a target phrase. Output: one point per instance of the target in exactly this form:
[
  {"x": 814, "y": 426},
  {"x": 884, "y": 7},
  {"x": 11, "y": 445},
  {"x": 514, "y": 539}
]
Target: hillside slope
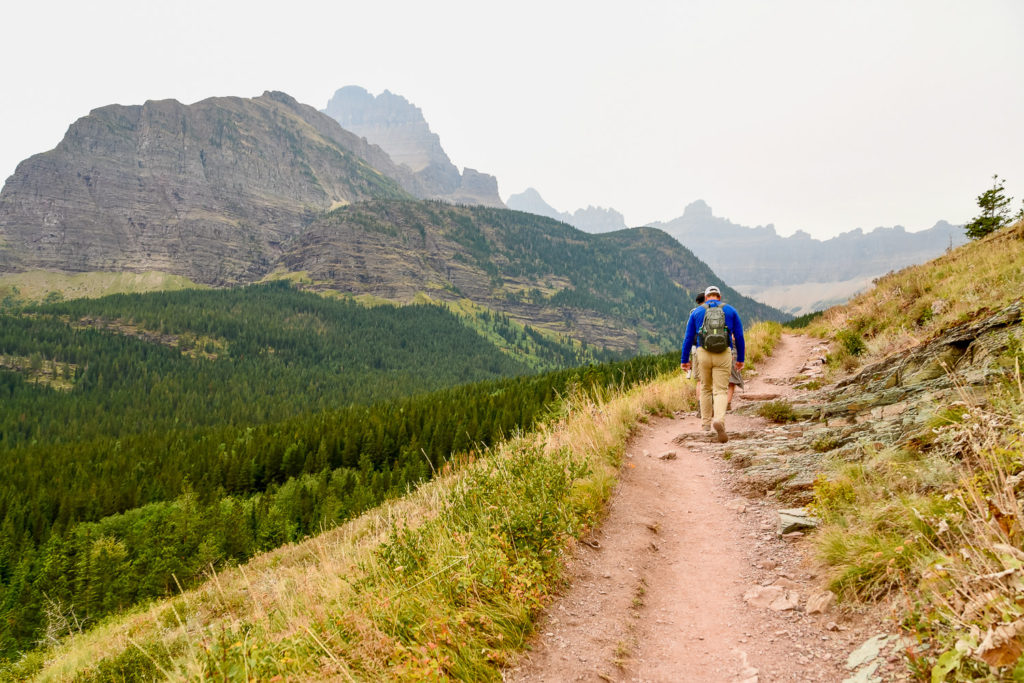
[{"x": 626, "y": 290}]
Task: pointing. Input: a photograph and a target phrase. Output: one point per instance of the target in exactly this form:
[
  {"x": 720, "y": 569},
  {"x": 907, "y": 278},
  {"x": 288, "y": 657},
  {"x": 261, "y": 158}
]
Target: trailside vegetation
[{"x": 191, "y": 439}]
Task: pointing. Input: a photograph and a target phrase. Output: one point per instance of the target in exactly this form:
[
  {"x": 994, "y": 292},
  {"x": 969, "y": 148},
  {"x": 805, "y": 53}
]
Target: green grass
[{"x": 41, "y": 285}]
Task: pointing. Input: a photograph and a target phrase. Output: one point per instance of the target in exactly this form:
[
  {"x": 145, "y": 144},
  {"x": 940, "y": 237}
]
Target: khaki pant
[{"x": 714, "y": 370}]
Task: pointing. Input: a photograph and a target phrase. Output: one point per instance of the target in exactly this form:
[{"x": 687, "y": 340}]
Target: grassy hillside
[
  {"x": 921, "y": 494},
  {"x": 35, "y": 286},
  {"x": 911, "y": 305}
]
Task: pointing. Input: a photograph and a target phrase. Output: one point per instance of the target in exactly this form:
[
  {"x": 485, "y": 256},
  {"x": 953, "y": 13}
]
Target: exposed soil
[{"x": 658, "y": 593}]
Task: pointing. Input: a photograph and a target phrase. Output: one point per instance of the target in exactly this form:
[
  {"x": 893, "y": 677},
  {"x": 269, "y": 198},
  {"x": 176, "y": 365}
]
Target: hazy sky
[{"x": 819, "y": 115}]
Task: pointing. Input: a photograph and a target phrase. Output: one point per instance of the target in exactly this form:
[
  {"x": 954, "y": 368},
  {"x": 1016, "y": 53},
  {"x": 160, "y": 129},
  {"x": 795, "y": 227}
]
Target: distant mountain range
[
  {"x": 232, "y": 191},
  {"x": 800, "y": 273},
  {"x": 591, "y": 219},
  {"x": 797, "y": 274}
]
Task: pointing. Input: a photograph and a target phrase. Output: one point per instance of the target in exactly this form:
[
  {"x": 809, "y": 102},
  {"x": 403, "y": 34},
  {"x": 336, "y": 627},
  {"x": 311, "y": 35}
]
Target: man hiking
[
  {"x": 695, "y": 371},
  {"x": 735, "y": 377},
  {"x": 714, "y": 327}
]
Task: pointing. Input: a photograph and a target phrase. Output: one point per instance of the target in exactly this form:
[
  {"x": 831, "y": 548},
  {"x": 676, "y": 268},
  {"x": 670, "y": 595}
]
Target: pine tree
[{"x": 995, "y": 211}]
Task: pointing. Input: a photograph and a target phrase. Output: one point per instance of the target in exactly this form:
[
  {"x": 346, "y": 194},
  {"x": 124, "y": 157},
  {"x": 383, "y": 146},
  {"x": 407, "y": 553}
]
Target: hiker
[
  {"x": 735, "y": 376},
  {"x": 694, "y": 371},
  {"x": 716, "y": 328}
]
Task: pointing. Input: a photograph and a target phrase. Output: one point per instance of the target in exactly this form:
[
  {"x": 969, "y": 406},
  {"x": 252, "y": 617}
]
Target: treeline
[{"x": 93, "y": 526}]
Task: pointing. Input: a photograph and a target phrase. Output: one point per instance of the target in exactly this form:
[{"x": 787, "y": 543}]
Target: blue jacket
[{"x": 732, "y": 321}]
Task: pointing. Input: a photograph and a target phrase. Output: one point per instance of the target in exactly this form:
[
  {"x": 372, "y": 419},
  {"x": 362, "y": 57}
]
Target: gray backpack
[{"x": 713, "y": 334}]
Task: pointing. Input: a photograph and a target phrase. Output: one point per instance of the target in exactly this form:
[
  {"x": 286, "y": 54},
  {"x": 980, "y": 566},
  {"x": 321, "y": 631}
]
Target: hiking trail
[{"x": 657, "y": 594}]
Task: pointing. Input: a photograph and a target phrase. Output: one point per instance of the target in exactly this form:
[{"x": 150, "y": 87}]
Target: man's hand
[
  {"x": 739, "y": 365},
  {"x": 685, "y": 367}
]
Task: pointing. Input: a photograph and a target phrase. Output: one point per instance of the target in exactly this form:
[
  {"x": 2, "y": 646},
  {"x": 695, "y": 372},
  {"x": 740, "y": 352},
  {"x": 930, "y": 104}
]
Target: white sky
[{"x": 821, "y": 115}]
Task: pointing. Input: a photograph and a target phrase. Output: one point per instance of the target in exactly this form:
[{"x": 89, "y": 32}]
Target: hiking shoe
[
  {"x": 706, "y": 426},
  {"x": 720, "y": 431}
]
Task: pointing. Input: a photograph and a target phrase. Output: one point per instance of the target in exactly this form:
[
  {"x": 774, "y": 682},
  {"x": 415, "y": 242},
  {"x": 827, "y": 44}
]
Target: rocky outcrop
[
  {"x": 212, "y": 191},
  {"x": 399, "y": 128},
  {"x": 891, "y": 402}
]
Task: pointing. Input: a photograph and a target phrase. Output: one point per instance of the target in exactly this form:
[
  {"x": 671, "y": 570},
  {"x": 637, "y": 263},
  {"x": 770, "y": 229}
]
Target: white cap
[{"x": 712, "y": 290}]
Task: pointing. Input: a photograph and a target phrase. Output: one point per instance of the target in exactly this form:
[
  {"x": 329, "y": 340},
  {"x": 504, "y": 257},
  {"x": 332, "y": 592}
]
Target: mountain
[
  {"x": 625, "y": 290},
  {"x": 212, "y": 191},
  {"x": 591, "y": 219},
  {"x": 232, "y": 191},
  {"x": 800, "y": 273},
  {"x": 399, "y": 128}
]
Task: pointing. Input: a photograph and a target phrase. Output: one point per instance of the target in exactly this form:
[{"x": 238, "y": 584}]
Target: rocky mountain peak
[{"x": 398, "y": 127}]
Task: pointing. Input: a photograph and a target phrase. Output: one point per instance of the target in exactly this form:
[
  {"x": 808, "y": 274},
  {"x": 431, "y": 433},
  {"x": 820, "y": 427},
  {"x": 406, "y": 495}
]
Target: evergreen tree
[{"x": 995, "y": 211}]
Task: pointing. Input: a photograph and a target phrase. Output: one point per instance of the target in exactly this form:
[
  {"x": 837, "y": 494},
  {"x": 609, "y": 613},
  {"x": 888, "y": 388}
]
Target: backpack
[{"x": 713, "y": 334}]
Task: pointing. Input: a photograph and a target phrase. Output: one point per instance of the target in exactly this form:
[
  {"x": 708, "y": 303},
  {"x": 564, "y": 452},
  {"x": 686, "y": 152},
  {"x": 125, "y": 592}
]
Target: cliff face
[
  {"x": 399, "y": 128},
  {"x": 211, "y": 190}
]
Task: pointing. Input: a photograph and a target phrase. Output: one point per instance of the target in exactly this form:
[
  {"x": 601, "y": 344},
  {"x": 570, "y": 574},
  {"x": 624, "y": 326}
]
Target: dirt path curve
[{"x": 661, "y": 598}]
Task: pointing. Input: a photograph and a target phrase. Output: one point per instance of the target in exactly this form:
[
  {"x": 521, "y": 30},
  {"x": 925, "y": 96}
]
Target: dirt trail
[{"x": 661, "y": 596}]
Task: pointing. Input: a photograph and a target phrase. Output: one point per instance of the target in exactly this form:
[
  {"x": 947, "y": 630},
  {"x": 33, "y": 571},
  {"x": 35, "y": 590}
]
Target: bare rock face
[
  {"x": 210, "y": 191},
  {"x": 399, "y": 128}
]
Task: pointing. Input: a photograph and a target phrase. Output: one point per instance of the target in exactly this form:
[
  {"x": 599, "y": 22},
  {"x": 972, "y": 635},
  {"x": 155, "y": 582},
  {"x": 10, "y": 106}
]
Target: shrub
[
  {"x": 851, "y": 342},
  {"x": 777, "y": 411}
]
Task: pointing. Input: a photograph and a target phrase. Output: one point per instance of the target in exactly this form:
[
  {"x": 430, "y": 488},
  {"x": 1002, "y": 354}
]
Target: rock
[
  {"x": 775, "y": 598},
  {"x": 767, "y": 564},
  {"x": 667, "y": 455},
  {"x": 820, "y": 603},
  {"x": 831, "y": 626},
  {"x": 795, "y": 519},
  {"x": 788, "y": 584},
  {"x": 737, "y": 505},
  {"x": 867, "y": 652},
  {"x": 865, "y": 675}
]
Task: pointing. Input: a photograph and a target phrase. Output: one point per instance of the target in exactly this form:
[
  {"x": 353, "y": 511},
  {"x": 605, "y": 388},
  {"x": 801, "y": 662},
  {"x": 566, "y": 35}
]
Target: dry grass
[
  {"x": 443, "y": 583},
  {"x": 943, "y": 529}
]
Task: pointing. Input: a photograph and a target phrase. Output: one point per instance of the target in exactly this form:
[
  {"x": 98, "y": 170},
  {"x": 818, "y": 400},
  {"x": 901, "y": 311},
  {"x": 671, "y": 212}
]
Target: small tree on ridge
[{"x": 995, "y": 211}]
